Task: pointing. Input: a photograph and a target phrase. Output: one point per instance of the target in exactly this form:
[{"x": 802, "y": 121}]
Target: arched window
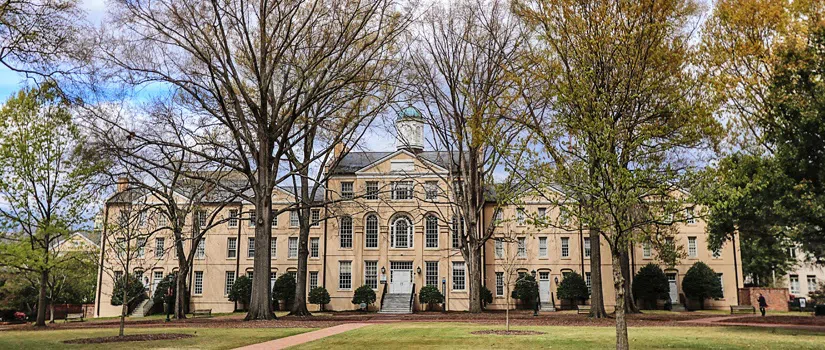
[
  {"x": 402, "y": 231},
  {"x": 345, "y": 232},
  {"x": 371, "y": 231},
  {"x": 431, "y": 231}
]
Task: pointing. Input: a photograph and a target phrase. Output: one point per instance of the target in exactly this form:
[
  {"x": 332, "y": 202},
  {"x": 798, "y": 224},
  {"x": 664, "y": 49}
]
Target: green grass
[
  {"x": 458, "y": 336},
  {"x": 205, "y": 338}
]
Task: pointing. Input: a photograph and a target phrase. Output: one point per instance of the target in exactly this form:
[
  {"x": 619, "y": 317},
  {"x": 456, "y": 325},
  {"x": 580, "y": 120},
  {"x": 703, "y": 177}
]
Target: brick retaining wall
[{"x": 777, "y": 298}]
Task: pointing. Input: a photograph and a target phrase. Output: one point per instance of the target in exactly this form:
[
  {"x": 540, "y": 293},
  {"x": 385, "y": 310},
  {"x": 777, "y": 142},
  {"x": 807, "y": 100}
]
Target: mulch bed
[
  {"x": 503, "y": 332},
  {"x": 129, "y": 338},
  {"x": 783, "y": 320}
]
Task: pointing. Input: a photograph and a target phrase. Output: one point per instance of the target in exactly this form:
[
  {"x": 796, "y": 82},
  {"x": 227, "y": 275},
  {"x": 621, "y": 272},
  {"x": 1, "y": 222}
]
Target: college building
[{"x": 392, "y": 229}]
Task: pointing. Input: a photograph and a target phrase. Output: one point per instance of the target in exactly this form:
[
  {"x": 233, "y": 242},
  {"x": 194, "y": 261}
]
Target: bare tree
[{"x": 463, "y": 61}]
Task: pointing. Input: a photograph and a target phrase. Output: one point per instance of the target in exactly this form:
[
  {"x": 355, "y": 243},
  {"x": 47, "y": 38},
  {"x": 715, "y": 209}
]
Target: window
[
  {"x": 201, "y": 216},
  {"x": 402, "y": 190},
  {"x": 345, "y": 232},
  {"x": 401, "y": 232},
  {"x": 721, "y": 283},
  {"x": 142, "y": 219},
  {"x": 230, "y": 280},
  {"x": 231, "y": 247},
  {"x": 498, "y": 216},
  {"x": 294, "y": 275},
  {"x": 293, "y": 219},
  {"x": 458, "y": 275},
  {"x": 565, "y": 247},
  {"x": 253, "y": 218},
  {"x": 313, "y": 279},
  {"x": 198, "y": 288},
  {"x": 431, "y": 188},
  {"x": 588, "y": 282},
  {"x": 792, "y": 252},
  {"x": 372, "y": 190},
  {"x": 692, "y": 247},
  {"x": 118, "y": 275},
  {"x": 371, "y": 232},
  {"x": 273, "y": 276},
  {"x": 542, "y": 212},
  {"x": 346, "y": 190},
  {"x": 811, "y": 283},
  {"x": 542, "y": 247},
  {"x": 249, "y": 274},
  {"x": 250, "y": 250},
  {"x": 499, "y": 249},
  {"x": 794, "y": 284},
  {"x": 689, "y": 218},
  {"x": 141, "y": 243},
  {"x": 274, "y": 218},
  {"x": 646, "y": 250},
  {"x": 233, "y": 218},
  {"x": 159, "y": 242},
  {"x": 522, "y": 247},
  {"x": 371, "y": 274},
  {"x": 431, "y": 273},
  {"x": 458, "y": 224},
  {"x": 499, "y": 284},
  {"x": 587, "y": 247},
  {"x": 520, "y": 217},
  {"x": 273, "y": 247},
  {"x": 293, "y": 247},
  {"x": 564, "y": 218},
  {"x": 431, "y": 232},
  {"x": 161, "y": 219},
  {"x": 200, "y": 253},
  {"x": 315, "y": 217},
  {"x": 345, "y": 275},
  {"x": 157, "y": 276},
  {"x": 717, "y": 253},
  {"x": 314, "y": 242}
]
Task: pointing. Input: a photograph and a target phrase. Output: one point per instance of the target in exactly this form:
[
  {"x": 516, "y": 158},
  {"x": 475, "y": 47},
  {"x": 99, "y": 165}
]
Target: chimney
[
  {"x": 338, "y": 149},
  {"x": 122, "y": 184}
]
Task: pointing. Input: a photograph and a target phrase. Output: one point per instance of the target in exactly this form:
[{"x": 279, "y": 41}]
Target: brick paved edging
[{"x": 304, "y": 337}]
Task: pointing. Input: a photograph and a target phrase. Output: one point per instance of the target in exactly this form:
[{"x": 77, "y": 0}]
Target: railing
[
  {"x": 412, "y": 297},
  {"x": 383, "y": 294}
]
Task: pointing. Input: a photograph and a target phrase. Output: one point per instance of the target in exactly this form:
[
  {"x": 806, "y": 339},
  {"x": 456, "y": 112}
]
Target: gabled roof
[{"x": 352, "y": 162}]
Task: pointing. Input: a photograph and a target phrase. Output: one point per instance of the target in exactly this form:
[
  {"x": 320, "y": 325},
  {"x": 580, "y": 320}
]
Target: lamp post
[{"x": 538, "y": 297}]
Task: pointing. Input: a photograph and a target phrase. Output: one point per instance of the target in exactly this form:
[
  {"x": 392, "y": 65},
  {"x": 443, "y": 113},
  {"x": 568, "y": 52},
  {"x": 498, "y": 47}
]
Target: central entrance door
[
  {"x": 544, "y": 287},
  {"x": 401, "y": 277},
  {"x": 674, "y": 294}
]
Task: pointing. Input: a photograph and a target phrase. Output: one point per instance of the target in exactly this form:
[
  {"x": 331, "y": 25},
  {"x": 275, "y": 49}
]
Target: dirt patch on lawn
[
  {"x": 782, "y": 320},
  {"x": 129, "y": 338},
  {"x": 503, "y": 332}
]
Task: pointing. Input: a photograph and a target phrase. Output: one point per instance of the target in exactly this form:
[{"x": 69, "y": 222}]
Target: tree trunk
[
  {"x": 618, "y": 285},
  {"x": 260, "y": 304},
  {"x": 596, "y": 296},
  {"x": 630, "y": 306},
  {"x": 41, "y": 300},
  {"x": 299, "y": 305},
  {"x": 51, "y": 312},
  {"x": 180, "y": 289},
  {"x": 474, "y": 276}
]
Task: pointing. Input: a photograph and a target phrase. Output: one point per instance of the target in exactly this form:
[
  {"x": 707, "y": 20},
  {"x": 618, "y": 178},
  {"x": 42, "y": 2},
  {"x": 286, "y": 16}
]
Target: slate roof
[{"x": 355, "y": 161}]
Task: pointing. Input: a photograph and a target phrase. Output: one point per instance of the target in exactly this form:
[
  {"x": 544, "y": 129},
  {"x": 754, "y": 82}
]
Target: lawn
[
  {"x": 205, "y": 338},
  {"x": 458, "y": 336}
]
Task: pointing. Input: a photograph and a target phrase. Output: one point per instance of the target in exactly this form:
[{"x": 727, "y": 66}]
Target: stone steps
[{"x": 396, "y": 304}]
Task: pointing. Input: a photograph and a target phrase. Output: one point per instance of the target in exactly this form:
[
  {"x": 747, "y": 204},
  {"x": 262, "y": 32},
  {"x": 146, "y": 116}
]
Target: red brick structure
[{"x": 777, "y": 298}]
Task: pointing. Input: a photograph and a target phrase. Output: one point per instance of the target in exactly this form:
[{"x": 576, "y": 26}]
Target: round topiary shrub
[
  {"x": 430, "y": 295},
  {"x": 241, "y": 291},
  {"x": 134, "y": 287},
  {"x": 364, "y": 294},
  {"x": 701, "y": 283},
  {"x": 284, "y": 289},
  {"x": 319, "y": 296},
  {"x": 573, "y": 288},
  {"x": 526, "y": 290},
  {"x": 650, "y": 285}
]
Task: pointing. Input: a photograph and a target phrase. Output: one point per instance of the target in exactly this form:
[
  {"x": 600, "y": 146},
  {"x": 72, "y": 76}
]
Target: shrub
[
  {"x": 170, "y": 281},
  {"x": 134, "y": 292},
  {"x": 241, "y": 290},
  {"x": 573, "y": 288},
  {"x": 701, "y": 283},
  {"x": 486, "y": 296},
  {"x": 430, "y": 295},
  {"x": 319, "y": 296},
  {"x": 818, "y": 296},
  {"x": 364, "y": 294},
  {"x": 650, "y": 284},
  {"x": 284, "y": 289},
  {"x": 526, "y": 290}
]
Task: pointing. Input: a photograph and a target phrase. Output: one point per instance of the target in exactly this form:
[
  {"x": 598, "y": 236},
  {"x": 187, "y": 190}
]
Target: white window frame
[
  {"x": 273, "y": 247},
  {"x": 233, "y": 218},
  {"x": 407, "y": 236},
  {"x": 250, "y": 248},
  {"x": 647, "y": 250},
  {"x": 345, "y": 275},
  {"x": 499, "y": 283},
  {"x": 347, "y": 191},
  {"x": 371, "y": 228},
  {"x": 431, "y": 231},
  {"x": 372, "y": 190},
  {"x": 459, "y": 279},
  {"x": 345, "y": 232},
  {"x": 231, "y": 247},
  {"x": 522, "y": 247},
  {"x": 313, "y": 279},
  {"x": 693, "y": 250},
  {"x": 521, "y": 217},
  {"x": 294, "y": 220},
  {"x": 197, "y": 288},
  {"x": 253, "y": 218},
  {"x": 402, "y": 190},
  {"x": 371, "y": 274},
  {"x": 431, "y": 190},
  {"x": 314, "y": 247},
  {"x": 200, "y": 251},
  {"x": 812, "y": 283},
  {"x": 431, "y": 272},
  {"x": 587, "y": 250},
  {"x": 292, "y": 246},
  {"x": 499, "y": 248},
  {"x": 315, "y": 217},
  {"x": 689, "y": 216},
  {"x": 565, "y": 247},
  {"x": 160, "y": 243},
  {"x": 543, "y": 247},
  {"x": 229, "y": 281},
  {"x": 794, "y": 284}
]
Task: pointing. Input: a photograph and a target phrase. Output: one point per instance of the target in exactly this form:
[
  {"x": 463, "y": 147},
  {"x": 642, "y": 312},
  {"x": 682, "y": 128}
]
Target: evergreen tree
[
  {"x": 650, "y": 284},
  {"x": 319, "y": 296},
  {"x": 241, "y": 290},
  {"x": 364, "y": 294},
  {"x": 284, "y": 289},
  {"x": 573, "y": 288},
  {"x": 701, "y": 283}
]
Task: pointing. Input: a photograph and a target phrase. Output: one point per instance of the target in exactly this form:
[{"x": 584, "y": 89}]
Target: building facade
[
  {"x": 391, "y": 227},
  {"x": 807, "y": 275}
]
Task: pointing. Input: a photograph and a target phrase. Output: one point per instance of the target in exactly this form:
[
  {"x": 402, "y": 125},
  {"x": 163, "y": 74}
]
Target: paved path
[
  {"x": 722, "y": 321},
  {"x": 304, "y": 337}
]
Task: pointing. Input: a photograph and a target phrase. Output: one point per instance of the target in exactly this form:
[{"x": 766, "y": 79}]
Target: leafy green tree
[
  {"x": 135, "y": 291},
  {"x": 364, "y": 294},
  {"x": 46, "y": 184},
  {"x": 319, "y": 296},
  {"x": 573, "y": 288},
  {"x": 430, "y": 295},
  {"x": 650, "y": 284},
  {"x": 284, "y": 289},
  {"x": 701, "y": 283},
  {"x": 526, "y": 289},
  {"x": 241, "y": 290}
]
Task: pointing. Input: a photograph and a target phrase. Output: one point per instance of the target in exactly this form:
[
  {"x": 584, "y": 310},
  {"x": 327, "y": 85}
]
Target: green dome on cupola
[
  {"x": 410, "y": 113},
  {"x": 409, "y": 129}
]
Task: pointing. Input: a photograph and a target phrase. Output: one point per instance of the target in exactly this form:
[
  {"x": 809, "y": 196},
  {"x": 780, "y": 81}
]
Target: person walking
[{"x": 762, "y": 304}]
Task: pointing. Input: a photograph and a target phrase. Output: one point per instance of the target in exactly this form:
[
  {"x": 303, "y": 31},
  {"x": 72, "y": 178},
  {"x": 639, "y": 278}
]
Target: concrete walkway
[{"x": 304, "y": 337}]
